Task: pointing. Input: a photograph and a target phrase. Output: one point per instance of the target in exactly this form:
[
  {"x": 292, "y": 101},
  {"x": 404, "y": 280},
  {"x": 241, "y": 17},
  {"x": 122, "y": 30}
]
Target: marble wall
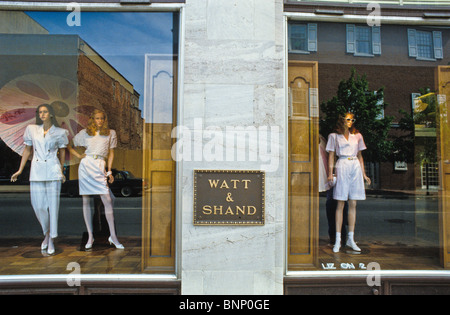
[{"x": 234, "y": 78}]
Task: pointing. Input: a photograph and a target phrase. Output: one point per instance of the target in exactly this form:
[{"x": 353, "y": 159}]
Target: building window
[
  {"x": 363, "y": 40},
  {"x": 429, "y": 175},
  {"x": 302, "y": 38},
  {"x": 425, "y": 45}
]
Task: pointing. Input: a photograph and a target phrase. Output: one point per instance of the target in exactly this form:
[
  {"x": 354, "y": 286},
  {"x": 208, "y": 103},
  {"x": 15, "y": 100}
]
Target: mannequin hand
[
  {"x": 367, "y": 179},
  {"x": 110, "y": 179},
  {"x": 14, "y": 176},
  {"x": 63, "y": 180},
  {"x": 330, "y": 178}
]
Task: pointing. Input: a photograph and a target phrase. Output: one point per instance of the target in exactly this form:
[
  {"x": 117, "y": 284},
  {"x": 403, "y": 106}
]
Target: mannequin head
[
  {"x": 45, "y": 114},
  {"x": 346, "y": 122},
  {"x": 98, "y": 121}
]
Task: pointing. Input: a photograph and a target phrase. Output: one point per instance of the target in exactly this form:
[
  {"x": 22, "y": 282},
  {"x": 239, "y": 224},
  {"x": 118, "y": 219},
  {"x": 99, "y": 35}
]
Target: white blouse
[
  {"x": 343, "y": 147},
  {"x": 45, "y": 165},
  {"x": 96, "y": 145}
]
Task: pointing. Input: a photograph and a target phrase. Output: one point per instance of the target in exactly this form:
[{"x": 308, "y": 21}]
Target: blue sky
[{"x": 122, "y": 38}]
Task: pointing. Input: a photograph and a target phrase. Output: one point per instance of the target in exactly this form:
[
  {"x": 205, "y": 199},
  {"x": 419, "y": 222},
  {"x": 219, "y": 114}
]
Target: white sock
[
  {"x": 350, "y": 236},
  {"x": 338, "y": 237}
]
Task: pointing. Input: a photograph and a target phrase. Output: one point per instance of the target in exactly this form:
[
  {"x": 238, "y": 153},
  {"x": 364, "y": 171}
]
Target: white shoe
[
  {"x": 118, "y": 246},
  {"x": 50, "y": 249},
  {"x": 89, "y": 245},
  {"x": 336, "y": 247},
  {"x": 352, "y": 245}
]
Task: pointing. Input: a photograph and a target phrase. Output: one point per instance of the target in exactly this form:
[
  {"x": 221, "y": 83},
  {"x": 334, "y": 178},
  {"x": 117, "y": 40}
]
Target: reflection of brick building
[
  {"x": 99, "y": 85},
  {"x": 49, "y": 61}
]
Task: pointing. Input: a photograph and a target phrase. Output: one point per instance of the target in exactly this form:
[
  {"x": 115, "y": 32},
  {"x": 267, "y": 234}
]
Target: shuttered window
[
  {"x": 363, "y": 40},
  {"x": 302, "y": 38},
  {"x": 425, "y": 45}
]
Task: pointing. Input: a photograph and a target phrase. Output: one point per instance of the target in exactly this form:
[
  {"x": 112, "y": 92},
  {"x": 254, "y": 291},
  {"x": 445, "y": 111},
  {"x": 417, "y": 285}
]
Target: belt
[
  {"x": 348, "y": 158},
  {"x": 96, "y": 157}
]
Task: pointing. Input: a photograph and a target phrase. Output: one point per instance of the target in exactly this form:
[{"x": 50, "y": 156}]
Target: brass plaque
[{"x": 232, "y": 197}]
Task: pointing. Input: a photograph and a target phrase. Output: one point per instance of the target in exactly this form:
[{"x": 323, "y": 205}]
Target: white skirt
[
  {"x": 92, "y": 177},
  {"x": 349, "y": 180}
]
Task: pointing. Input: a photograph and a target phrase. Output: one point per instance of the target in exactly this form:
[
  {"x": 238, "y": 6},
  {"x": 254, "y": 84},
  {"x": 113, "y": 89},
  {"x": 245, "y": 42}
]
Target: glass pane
[
  {"x": 424, "y": 44},
  {"x": 88, "y": 70},
  {"x": 401, "y": 219},
  {"x": 363, "y": 40},
  {"x": 298, "y": 37}
]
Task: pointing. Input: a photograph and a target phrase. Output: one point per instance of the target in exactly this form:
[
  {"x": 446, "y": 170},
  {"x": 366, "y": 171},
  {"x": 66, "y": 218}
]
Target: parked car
[{"x": 125, "y": 184}]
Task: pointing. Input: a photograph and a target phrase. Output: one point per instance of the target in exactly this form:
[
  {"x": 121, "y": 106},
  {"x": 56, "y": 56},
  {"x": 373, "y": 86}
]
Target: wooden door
[
  {"x": 303, "y": 138},
  {"x": 158, "y": 208},
  {"x": 443, "y": 82}
]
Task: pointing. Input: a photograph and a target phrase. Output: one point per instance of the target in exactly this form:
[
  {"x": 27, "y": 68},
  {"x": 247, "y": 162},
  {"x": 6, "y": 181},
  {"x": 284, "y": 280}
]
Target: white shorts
[{"x": 349, "y": 180}]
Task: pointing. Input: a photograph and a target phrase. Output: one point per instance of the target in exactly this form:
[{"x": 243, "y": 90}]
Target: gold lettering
[
  {"x": 224, "y": 185},
  {"x": 213, "y": 183},
  {"x": 251, "y": 213},
  {"x": 246, "y": 181},
  {"x": 229, "y": 211},
  {"x": 218, "y": 208},
  {"x": 241, "y": 210},
  {"x": 207, "y": 209},
  {"x": 234, "y": 182}
]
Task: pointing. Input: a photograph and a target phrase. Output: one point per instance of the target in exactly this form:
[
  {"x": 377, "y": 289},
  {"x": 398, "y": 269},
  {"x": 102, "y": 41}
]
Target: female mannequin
[
  {"x": 45, "y": 141},
  {"x": 99, "y": 142},
  {"x": 347, "y": 143}
]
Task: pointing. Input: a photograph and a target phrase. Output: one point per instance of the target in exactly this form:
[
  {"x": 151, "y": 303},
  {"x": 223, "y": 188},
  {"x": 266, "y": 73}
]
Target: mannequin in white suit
[{"x": 46, "y": 143}]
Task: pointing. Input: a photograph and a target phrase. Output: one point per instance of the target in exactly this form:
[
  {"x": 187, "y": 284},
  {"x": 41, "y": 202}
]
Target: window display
[
  {"x": 402, "y": 222},
  {"x": 73, "y": 117}
]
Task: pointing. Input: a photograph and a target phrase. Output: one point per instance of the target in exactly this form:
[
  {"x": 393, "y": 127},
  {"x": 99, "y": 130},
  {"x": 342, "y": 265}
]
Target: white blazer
[{"x": 45, "y": 164}]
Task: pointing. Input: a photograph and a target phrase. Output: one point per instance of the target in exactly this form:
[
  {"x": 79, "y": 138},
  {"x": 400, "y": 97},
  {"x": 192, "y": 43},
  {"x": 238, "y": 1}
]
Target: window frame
[
  {"x": 176, "y": 6},
  {"x": 436, "y": 44},
  {"x": 351, "y": 33},
  {"x": 311, "y": 38}
]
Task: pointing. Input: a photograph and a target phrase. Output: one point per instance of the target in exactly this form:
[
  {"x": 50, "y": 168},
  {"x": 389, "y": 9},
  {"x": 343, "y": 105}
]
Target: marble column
[{"x": 234, "y": 78}]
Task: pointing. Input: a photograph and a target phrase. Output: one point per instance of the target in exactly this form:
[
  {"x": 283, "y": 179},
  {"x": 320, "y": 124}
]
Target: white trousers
[{"x": 45, "y": 202}]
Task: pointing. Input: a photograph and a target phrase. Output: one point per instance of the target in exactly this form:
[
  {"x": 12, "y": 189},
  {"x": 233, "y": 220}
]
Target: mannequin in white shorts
[{"x": 347, "y": 143}]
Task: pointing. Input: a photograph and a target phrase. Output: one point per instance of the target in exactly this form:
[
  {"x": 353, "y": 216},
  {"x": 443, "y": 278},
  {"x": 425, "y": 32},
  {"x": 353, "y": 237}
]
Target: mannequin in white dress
[
  {"x": 46, "y": 143},
  {"x": 99, "y": 142},
  {"x": 347, "y": 143}
]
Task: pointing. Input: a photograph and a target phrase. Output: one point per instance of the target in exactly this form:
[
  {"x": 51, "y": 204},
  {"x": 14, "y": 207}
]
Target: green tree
[{"x": 353, "y": 95}]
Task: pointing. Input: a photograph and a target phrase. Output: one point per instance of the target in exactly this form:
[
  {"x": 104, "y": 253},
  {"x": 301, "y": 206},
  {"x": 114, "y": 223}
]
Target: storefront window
[
  {"x": 401, "y": 209},
  {"x": 80, "y": 68}
]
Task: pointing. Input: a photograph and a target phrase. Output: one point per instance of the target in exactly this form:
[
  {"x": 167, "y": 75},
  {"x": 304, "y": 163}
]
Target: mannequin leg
[
  {"x": 351, "y": 215},
  {"x": 52, "y": 190},
  {"x": 339, "y": 219},
  {"x": 109, "y": 214},
  {"x": 87, "y": 214},
  {"x": 40, "y": 205},
  {"x": 351, "y": 225}
]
